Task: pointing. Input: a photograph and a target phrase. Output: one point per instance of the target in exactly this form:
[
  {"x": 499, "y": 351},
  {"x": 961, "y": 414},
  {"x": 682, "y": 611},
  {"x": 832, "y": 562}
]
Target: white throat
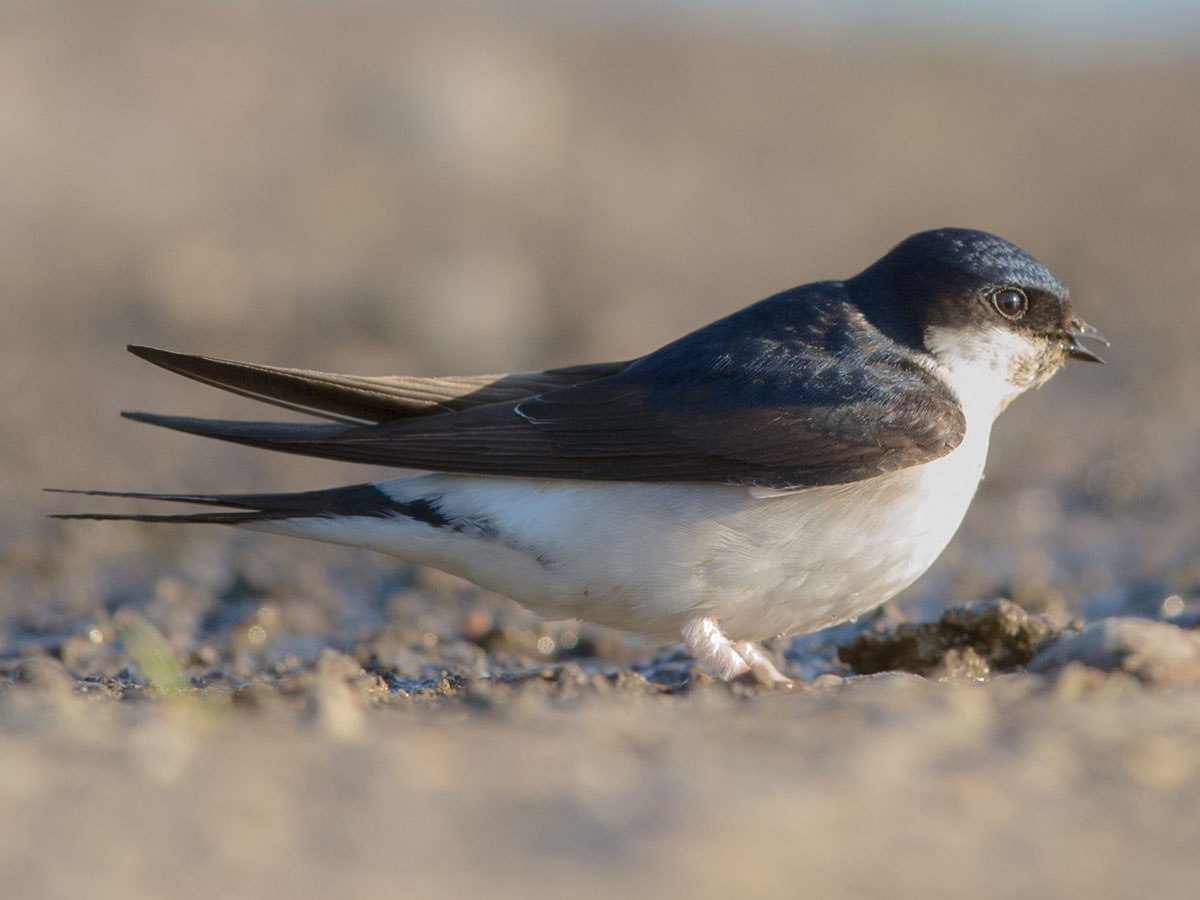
[{"x": 981, "y": 368}]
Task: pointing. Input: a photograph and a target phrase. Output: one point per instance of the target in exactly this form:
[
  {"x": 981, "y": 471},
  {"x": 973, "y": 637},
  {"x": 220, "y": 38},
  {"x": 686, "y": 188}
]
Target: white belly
[{"x": 649, "y": 557}]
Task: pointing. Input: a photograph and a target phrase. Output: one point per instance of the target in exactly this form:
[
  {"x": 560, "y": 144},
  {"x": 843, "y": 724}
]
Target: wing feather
[
  {"x": 365, "y": 399},
  {"x": 796, "y": 391}
]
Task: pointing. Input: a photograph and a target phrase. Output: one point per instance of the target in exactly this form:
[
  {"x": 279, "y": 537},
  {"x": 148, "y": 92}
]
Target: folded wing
[
  {"x": 765, "y": 397},
  {"x": 365, "y": 399}
]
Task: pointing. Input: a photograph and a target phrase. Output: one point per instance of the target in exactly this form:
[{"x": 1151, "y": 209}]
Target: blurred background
[{"x": 449, "y": 187}]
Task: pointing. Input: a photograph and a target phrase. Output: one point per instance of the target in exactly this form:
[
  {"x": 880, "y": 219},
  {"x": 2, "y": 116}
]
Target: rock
[
  {"x": 967, "y": 642},
  {"x": 1156, "y": 653}
]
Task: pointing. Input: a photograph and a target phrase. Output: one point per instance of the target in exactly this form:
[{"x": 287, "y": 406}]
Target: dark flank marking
[
  {"x": 424, "y": 510},
  {"x": 429, "y": 511},
  {"x": 358, "y": 500}
]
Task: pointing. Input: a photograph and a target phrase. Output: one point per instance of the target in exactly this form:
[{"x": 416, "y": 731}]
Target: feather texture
[{"x": 795, "y": 391}]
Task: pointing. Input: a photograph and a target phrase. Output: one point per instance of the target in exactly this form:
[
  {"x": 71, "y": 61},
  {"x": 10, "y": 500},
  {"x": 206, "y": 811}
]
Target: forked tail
[{"x": 360, "y": 500}]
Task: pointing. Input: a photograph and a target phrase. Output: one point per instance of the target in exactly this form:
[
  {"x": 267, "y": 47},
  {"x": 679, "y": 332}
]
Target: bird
[{"x": 785, "y": 468}]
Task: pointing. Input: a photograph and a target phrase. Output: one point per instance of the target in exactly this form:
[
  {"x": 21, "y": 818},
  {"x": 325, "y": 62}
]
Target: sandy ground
[{"x": 375, "y": 189}]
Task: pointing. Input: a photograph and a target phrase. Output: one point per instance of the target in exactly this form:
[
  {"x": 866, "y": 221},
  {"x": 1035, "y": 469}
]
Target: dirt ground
[{"x": 373, "y": 189}]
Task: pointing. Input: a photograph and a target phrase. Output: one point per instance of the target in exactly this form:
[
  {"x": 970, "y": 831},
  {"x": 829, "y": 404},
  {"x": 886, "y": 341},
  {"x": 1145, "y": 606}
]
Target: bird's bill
[{"x": 1079, "y": 332}]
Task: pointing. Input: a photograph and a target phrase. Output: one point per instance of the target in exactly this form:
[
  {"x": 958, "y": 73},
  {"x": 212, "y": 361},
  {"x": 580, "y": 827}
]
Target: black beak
[{"x": 1078, "y": 332}]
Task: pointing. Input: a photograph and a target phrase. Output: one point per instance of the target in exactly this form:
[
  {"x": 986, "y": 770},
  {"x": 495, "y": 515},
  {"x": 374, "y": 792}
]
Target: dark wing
[
  {"x": 364, "y": 399},
  {"x": 795, "y": 391}
]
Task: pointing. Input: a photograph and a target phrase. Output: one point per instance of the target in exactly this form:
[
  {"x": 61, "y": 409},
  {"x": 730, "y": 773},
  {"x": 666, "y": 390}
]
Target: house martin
[{"x": 785, "y": 468}]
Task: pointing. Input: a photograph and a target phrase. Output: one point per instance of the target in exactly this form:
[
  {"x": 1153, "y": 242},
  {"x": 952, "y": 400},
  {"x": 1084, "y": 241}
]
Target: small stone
[
  {"x": 962, "y": 664},
  {"x": 967, "y": 642}
]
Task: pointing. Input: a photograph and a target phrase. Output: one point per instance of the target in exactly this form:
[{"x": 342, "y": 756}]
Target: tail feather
[
  {"x": 256, "y": 502},
  {"x": 218, "y": 518},
  {"x": 354, "y": 501}
]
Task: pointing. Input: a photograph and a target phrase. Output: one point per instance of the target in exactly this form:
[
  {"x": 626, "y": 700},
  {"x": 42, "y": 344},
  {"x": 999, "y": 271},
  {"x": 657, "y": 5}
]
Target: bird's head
[{"x": 993, "y": 318}]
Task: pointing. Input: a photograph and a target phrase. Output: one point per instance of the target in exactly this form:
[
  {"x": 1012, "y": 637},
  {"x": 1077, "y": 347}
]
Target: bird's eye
[{"x": 1010, "y": 303}]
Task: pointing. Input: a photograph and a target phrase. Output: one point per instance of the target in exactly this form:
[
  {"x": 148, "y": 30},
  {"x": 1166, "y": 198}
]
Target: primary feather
[
  {"x": 365, "y": 399},
  {"x": 760, "y": 398}
]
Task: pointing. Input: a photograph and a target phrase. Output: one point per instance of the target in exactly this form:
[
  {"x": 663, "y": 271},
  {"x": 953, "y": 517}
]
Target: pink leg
[
  {"x": 712, "y": 650},
  {"x": 716, "y": 653},
  {"x": 762, "y": 667}
]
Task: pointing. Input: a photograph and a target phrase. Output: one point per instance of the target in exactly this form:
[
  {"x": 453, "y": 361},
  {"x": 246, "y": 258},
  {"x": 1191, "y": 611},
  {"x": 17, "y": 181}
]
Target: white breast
[{"x": 648, "y": 557}]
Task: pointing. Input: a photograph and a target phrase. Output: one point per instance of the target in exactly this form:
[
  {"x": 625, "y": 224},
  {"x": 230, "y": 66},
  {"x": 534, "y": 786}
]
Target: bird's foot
[
  {"x": 716, "y": 653},
  {"x": 761, "y": 667}
]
